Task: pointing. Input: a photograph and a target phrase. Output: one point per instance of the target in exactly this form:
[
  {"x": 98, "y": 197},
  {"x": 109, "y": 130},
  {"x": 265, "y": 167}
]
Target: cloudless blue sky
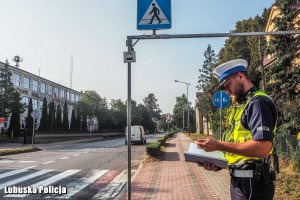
[{"x": 46, "y": 32}]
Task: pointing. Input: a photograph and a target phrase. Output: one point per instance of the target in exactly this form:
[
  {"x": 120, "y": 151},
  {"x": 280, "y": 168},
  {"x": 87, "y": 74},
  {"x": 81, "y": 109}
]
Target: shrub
[{"x": 153, "y": 149}]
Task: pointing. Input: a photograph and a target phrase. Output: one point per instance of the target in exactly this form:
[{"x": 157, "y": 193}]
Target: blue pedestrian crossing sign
[
  {"x": 153, "y": 14},
  {"x": 221, "y": 99}
]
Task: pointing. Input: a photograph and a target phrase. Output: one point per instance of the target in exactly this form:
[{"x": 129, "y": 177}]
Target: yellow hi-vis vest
[{"x": 237, "y": 133}]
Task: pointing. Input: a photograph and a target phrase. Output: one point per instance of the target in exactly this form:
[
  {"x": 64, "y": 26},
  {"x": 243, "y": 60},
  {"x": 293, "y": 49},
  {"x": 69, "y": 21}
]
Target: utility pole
[
  {"x": 187, "y": 104},
  {"x": 71, "y": 71}
]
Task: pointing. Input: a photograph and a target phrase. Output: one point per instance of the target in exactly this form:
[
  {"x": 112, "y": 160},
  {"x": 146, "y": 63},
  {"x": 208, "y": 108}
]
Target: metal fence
[{"x": 287, "y": 148}]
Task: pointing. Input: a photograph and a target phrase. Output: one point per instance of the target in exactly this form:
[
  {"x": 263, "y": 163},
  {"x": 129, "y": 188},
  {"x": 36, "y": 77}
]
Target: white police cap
[{"x": 224, "y": 70}]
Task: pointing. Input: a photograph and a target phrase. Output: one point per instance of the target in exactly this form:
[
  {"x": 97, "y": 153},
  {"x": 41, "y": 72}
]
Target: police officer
[{"x": 248, "y": 144}]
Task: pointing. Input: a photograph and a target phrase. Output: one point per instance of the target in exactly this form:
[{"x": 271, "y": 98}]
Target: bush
[
  {"x": 153, "y": 149},
  {"x": 162, "y": 140}
]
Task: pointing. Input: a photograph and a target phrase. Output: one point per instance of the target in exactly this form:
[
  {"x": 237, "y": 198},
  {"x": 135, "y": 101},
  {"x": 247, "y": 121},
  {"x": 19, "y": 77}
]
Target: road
[{"x": 89, "y": 170}]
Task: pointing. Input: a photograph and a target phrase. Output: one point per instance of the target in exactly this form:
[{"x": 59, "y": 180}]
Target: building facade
[{"x": 35, "y": 87}]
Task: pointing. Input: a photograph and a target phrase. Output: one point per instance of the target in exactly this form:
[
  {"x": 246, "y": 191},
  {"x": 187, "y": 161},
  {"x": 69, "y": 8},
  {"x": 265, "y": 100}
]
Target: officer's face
[{"x": 235, "y": 88}]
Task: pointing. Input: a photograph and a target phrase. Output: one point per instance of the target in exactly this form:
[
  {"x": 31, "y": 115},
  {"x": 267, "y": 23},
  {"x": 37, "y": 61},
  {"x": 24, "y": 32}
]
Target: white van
[{"x": 137, "y": 135}]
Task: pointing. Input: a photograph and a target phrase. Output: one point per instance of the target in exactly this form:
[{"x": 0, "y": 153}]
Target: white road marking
[
  {"x": 30, "y": 167},
  {"x": 78, "y": 185},
  {"x": 76, "y": 154},
  {"x": 86, "y": 152},
  {"x": 48, "y": 181},
  {"x": 11, "y": 173},
  {"x": 64, "y": 158},
  {"x": 7, "y": 161},
  {"x": 26, "y": 161},
  {"x": 114, "y": 187},
  {"x": 24, "y": 178},
  {"x": 47, "y": 162}
]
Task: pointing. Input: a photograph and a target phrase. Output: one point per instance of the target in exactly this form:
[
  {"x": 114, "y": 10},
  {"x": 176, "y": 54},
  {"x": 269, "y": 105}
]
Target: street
[{"x": 95, "y": 170}]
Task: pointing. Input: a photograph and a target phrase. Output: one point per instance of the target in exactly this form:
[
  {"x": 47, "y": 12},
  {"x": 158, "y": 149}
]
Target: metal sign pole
[
  {"x": 221, "y": 116},
  {"x": 209, "y": 35},
  {"x": 129, "y": 44}
]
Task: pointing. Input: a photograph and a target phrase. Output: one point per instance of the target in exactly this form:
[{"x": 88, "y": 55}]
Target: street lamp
[{"x": 187, "y": 104}]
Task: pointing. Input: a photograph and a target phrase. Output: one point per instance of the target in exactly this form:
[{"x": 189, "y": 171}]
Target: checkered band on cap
[{"x": 224, "y": 70}]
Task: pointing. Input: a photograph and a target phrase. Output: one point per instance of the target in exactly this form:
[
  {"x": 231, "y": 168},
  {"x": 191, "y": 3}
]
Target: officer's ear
[{"x": 241, "y": 77}]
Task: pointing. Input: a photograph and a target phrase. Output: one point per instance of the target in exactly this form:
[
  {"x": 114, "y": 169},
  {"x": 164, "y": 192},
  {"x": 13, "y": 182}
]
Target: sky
[{"x": 45, "y": 33}]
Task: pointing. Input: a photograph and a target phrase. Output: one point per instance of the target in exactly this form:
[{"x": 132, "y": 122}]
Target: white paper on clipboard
[{"x": 197, "y": 155}]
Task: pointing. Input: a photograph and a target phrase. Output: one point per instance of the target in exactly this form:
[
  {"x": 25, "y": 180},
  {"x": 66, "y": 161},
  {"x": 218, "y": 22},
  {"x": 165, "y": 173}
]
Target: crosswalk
[{"x": 50, "y": 184}]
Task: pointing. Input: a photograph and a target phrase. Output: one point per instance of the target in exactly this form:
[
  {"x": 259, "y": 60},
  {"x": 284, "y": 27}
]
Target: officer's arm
[{"x": 250, "y": 148}]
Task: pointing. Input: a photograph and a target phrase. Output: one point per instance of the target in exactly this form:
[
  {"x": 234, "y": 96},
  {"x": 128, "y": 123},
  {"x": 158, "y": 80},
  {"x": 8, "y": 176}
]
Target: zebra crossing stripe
[
  {"x": 78, "y": 185},
  {"x": 7, "y": 161},
  {"x": 113, "y": 188},
  {"x": 47, "y": 181},
  {"x": 11, "y": 173},
  {"x": 23, "y": 178}
]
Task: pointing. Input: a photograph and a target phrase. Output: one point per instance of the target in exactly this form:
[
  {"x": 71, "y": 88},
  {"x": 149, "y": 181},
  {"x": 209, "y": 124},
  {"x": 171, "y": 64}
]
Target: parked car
[{"x": 137, "y": 135}]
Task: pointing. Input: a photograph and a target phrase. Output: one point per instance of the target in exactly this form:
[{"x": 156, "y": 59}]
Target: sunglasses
[{"x": 227, "y": 81}]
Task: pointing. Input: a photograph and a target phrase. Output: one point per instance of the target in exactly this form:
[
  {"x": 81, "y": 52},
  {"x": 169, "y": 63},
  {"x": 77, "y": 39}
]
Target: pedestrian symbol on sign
[{"x": 154, "y": 14}]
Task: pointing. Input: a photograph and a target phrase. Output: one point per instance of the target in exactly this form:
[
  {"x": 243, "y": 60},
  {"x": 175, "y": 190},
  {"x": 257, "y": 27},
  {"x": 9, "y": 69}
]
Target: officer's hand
[
  {"x": 209, "y": 166},
  {"x": 208, "y": 144}
]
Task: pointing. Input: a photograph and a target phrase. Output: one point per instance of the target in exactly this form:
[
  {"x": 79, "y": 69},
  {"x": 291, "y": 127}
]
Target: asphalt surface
[{"x": 85, "y": 170}]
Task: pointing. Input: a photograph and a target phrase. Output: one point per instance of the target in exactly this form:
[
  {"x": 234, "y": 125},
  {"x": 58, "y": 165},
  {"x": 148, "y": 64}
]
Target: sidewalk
[
  {"x": 173, "y": 178},
  {"x": 94, "y": 137}
]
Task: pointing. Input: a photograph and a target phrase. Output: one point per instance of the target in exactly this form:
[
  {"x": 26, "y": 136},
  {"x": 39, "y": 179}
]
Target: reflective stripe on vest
[{"x": 237, "y": 133}]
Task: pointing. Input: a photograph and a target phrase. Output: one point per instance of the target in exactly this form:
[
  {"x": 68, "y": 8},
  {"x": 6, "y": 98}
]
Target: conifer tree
[
  {"x": 44, "y": 119},
  {"x": 84, "y": 123},
  {"x": 73, "y": 121},
  {"x": 51, "y": 117},
  {"x": 17, "y": 110},
  {"x": 7, "y": 91},
  {"x": 78, "y": 121},
  {"x": 58, "y": 120},
  {"x": 65, "y": 117},
  {"x": 29, "y": 119},
  {"x": 206, "y": 82}
]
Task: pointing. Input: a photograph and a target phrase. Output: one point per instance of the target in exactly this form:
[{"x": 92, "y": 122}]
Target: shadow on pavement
[{"x": 171, "y": 156}]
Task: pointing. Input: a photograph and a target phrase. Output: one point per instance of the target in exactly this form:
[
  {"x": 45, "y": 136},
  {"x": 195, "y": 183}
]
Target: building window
[
  {"x": 25, "y": 100},
  {"x": 62, "y": 94},
  {"x": 43, "y": 88},
  {"x": 72, "y": 97},
  {"x": 50, "y": 90},
  {"x": 68, "y": 96},
  {"x": 16, "y": 79},
  {"x": 34, "y": 85},
  {"x": 56, "y": 92},
  {"x": 35, "y": 104},
  {"x": 76, "y": 98},
  {"x": 26, "y": 82}
]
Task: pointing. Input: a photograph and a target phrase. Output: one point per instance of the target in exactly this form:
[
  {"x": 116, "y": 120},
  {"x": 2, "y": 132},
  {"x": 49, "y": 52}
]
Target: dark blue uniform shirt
[{"x": 260, "y": 116}]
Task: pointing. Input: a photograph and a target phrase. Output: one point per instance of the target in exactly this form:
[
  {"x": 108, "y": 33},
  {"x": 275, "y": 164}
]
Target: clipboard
[{"x": 197, "y": 155}]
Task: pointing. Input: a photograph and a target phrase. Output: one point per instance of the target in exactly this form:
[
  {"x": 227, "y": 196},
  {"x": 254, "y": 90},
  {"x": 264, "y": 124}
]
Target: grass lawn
[
  {"x": 288, "y": 182},
  {"x": 11, "y": 151}
]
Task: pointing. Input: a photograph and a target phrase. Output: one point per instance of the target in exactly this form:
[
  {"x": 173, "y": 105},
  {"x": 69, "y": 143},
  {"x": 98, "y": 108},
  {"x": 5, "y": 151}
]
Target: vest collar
[{"x": 251, "y": 92}]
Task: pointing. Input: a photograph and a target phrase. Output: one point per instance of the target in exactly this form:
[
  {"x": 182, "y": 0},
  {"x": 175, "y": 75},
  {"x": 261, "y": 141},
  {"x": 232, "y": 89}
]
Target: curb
[{"x": 132, "y": 178}]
